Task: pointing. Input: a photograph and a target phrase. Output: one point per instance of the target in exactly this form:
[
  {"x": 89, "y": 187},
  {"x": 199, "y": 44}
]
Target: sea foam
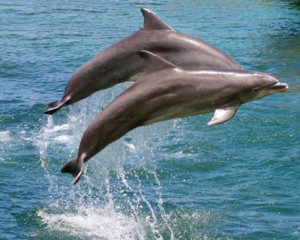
[{"x": 91, "y": 223}]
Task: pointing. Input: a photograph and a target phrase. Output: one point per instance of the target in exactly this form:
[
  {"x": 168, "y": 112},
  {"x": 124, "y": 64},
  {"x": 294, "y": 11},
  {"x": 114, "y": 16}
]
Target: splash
[
  {"x": 5, "y": 136},
  {"x": 91, "y": 223},
  {"x": 120, "y": 194}
]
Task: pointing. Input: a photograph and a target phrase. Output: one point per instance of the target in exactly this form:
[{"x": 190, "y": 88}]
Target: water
[{"x": 179, "y": 179}]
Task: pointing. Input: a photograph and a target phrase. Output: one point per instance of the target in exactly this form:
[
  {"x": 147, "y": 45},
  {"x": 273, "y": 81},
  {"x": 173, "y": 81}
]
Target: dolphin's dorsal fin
[
  {"x": 151, "y": 21},
  {"x": 224, "y": 114},
  {"x": 153, "y": 62}
]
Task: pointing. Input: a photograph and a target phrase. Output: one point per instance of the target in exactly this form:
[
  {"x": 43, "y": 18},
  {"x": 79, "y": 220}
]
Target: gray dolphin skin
[
  {"x": 120, "y": 62},
  {"x": 164, "y": 92}
]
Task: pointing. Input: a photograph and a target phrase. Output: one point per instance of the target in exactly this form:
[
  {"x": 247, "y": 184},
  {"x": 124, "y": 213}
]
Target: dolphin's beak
[
  {"x": 276, "y": 87},
  {"x": 279, "y": 87}
]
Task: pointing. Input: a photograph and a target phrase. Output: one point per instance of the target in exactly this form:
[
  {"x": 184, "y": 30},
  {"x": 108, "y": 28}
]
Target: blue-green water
[{"x": 179, "y": 179}]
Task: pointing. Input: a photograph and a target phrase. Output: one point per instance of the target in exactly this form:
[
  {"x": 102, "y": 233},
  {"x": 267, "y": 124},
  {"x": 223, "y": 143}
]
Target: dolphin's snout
[{"x": 281, "y": 87}]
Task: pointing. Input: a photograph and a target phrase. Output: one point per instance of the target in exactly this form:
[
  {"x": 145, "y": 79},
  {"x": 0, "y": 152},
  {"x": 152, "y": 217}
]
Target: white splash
[
  {"x": 5, "y": 136},
  {"x": 91, "y": 223},
  {"x": 62, "y": 139},
  {"x": 102, "y": 215}
]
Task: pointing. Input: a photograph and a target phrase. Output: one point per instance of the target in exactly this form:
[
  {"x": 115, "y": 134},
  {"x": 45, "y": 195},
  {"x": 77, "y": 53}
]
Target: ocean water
[{"x": 179, "y": 179}]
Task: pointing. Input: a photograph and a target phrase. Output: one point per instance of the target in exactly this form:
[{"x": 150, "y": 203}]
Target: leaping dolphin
[
  {"x": 120, "y": 62},
  {"x": 165, "y": 91}
]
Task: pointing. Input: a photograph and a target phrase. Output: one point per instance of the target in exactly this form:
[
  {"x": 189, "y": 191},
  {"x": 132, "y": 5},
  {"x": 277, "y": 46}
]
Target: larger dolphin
[
  {"x": 120, "y": 62},
  {"x": 164, "y": 92}
]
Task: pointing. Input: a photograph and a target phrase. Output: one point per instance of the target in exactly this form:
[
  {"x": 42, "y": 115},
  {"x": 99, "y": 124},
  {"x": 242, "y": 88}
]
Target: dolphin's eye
[{"x": 255, "y": 90}]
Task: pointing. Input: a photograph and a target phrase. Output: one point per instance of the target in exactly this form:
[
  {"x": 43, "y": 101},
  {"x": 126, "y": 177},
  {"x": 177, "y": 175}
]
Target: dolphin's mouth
[{"x": 279, "y": 87}]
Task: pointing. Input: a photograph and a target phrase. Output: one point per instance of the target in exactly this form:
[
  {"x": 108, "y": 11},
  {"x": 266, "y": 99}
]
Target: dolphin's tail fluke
[
  {"x": 58, "y": 104},
  {"x": 54, "y": 106},
  {"x": 74, "y": 167}
]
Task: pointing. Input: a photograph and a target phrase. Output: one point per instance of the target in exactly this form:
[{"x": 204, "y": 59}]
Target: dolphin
[
  {"x": 120, "y": 62},
  {"x": 165, "y": 91}
]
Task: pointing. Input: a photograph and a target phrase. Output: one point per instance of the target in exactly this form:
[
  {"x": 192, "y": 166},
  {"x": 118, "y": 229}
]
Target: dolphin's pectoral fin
[
  {"x": 222, "y": 115},
  {"x": 75, "y": 168},
  {"x": 151, "y": 21}
]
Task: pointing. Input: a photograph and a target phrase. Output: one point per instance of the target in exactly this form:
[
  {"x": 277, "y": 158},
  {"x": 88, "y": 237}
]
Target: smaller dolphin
[
  {"x": 120, "y": 62},
  {"x": 165, "y": 92}
]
